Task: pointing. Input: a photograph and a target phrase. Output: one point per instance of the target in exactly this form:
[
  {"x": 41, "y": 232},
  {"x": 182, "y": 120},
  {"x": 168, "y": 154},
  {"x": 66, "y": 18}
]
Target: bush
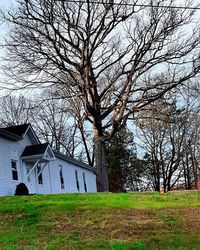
[{"x": 21, "y": 189}]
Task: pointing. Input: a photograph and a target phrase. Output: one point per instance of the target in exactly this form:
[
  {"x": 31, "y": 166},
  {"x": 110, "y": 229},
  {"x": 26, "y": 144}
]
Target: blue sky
[{"x": 6, "y": 2}]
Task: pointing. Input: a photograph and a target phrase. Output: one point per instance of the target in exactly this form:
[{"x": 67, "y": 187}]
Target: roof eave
[
  {"x": 10, "y": 135},
  {"x": 76, "y": 162},
  {"x": 33, "y": 134},
  {"x": 32, "y": 157},
  {"x": 52, "y": 152}
]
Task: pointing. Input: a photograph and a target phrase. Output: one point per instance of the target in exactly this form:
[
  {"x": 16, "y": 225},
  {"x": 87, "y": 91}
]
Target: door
[{"x": 30, "y": 180}]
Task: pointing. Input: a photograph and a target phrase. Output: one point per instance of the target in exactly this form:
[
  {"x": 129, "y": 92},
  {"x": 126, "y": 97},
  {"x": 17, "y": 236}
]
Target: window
[
  {"x": 28, "y": 169},
  {"x": 1, "y": 165},
  {"x": 14, "y": 170},
  {"x": 84, "y": 182},
  {"x": 39, "y": 174},
  {"x": 77, "y": 182},
  {"x": 62, "y": 185}
]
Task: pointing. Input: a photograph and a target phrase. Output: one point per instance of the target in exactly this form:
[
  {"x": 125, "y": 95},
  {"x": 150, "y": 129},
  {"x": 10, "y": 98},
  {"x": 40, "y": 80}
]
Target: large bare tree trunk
[{"x": 100, "y": 161}]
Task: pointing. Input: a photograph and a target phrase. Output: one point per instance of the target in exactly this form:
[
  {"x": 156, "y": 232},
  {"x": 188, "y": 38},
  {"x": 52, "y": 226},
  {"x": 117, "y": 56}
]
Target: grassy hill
[{"x": 101, "y": 221}]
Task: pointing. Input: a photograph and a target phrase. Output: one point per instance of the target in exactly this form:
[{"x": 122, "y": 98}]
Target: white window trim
[{"x": 17, "y": 170}]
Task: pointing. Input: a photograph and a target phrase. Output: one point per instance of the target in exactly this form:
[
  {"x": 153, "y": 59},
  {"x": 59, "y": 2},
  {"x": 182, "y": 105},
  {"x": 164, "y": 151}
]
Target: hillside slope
[{"x": 101, "y": 221}]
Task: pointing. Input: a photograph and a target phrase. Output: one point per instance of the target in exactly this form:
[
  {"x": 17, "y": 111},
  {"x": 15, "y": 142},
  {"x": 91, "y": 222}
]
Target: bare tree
[
  {"x": 75, "y": 109},
  {"x": 53, "y": 125},
  {"x": 51, "y": 120},
  {"x": 111, "y": 56},
  {"x": 164, "y": 135},
  {"x": 15, "y": 110},
  {"x": 190, "y": 159}
]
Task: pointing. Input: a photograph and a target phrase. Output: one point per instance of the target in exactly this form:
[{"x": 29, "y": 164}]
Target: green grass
[{"x": 136, "y": 221}]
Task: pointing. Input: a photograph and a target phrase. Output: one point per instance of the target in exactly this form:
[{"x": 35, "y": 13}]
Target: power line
[{"x": 136, "y": 5}]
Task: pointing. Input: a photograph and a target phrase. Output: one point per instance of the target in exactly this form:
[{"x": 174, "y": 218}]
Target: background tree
[
  {"x": 50, "y": 119},
  {"x": 15, "y": 110},
  {"x": 113, "y": 74},
  {"x": 169, "y": 132},
  {"x": 75, "y": 110},
  {"x": 163, "y": 134},
  {"x": 54, "y": 124},
  {"x": 121, "y": 153},
  {"x": 190, "y": 158}
]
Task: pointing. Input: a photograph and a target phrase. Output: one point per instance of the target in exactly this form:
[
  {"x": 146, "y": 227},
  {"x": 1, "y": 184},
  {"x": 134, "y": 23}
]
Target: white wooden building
[{"x": 24, "y": 159}]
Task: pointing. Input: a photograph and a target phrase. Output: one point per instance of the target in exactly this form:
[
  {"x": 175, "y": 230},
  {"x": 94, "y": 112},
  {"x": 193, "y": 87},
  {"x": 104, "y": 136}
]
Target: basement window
[
  {"x": 62, "y": 185},
  {"x": 14, "y": 170}
]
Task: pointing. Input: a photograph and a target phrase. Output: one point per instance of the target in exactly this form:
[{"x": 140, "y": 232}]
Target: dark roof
[
  {"x": 74, "y": 161},
  {"x": 17, "y": 133},
  {"x": 9, "y": 135},
  {"x": 38, "y": 149},
  {"x": 18, "y": 130}
]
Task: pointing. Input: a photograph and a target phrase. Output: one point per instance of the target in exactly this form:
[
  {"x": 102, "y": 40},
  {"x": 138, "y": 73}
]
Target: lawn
[{"x": 101, "y": 221}]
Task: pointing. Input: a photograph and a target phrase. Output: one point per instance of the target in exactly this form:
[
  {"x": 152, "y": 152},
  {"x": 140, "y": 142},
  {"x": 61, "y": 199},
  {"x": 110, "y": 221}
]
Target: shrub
[{"x": 21, "y": 189}]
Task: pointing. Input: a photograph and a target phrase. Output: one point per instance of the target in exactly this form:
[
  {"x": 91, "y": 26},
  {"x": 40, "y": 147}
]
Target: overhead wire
[{"x": 136, "y": 5}]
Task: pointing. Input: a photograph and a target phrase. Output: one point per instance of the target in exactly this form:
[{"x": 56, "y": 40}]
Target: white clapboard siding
[
  {"x": 12, "y": 150},
  {"x": 7, "y": 184}
]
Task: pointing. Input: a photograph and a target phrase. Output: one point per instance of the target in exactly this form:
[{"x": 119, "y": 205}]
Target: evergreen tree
[{"x": 124, "y": 169}]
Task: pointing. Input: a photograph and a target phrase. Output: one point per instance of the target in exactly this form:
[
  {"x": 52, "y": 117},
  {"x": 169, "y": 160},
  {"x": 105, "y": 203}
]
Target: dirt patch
[
  {"x": 119, "y": 224},
  {"x": 187, "y": 219},
  {"x": 190, "y": 219},
  {"x": 127, "y": 224}
]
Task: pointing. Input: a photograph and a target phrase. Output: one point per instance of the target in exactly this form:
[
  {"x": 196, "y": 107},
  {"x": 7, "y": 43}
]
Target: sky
[
  {"x": 3, "y": 4},
  {"x": 7, "y": 3},
  {"x": 10, "y": 2}
]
